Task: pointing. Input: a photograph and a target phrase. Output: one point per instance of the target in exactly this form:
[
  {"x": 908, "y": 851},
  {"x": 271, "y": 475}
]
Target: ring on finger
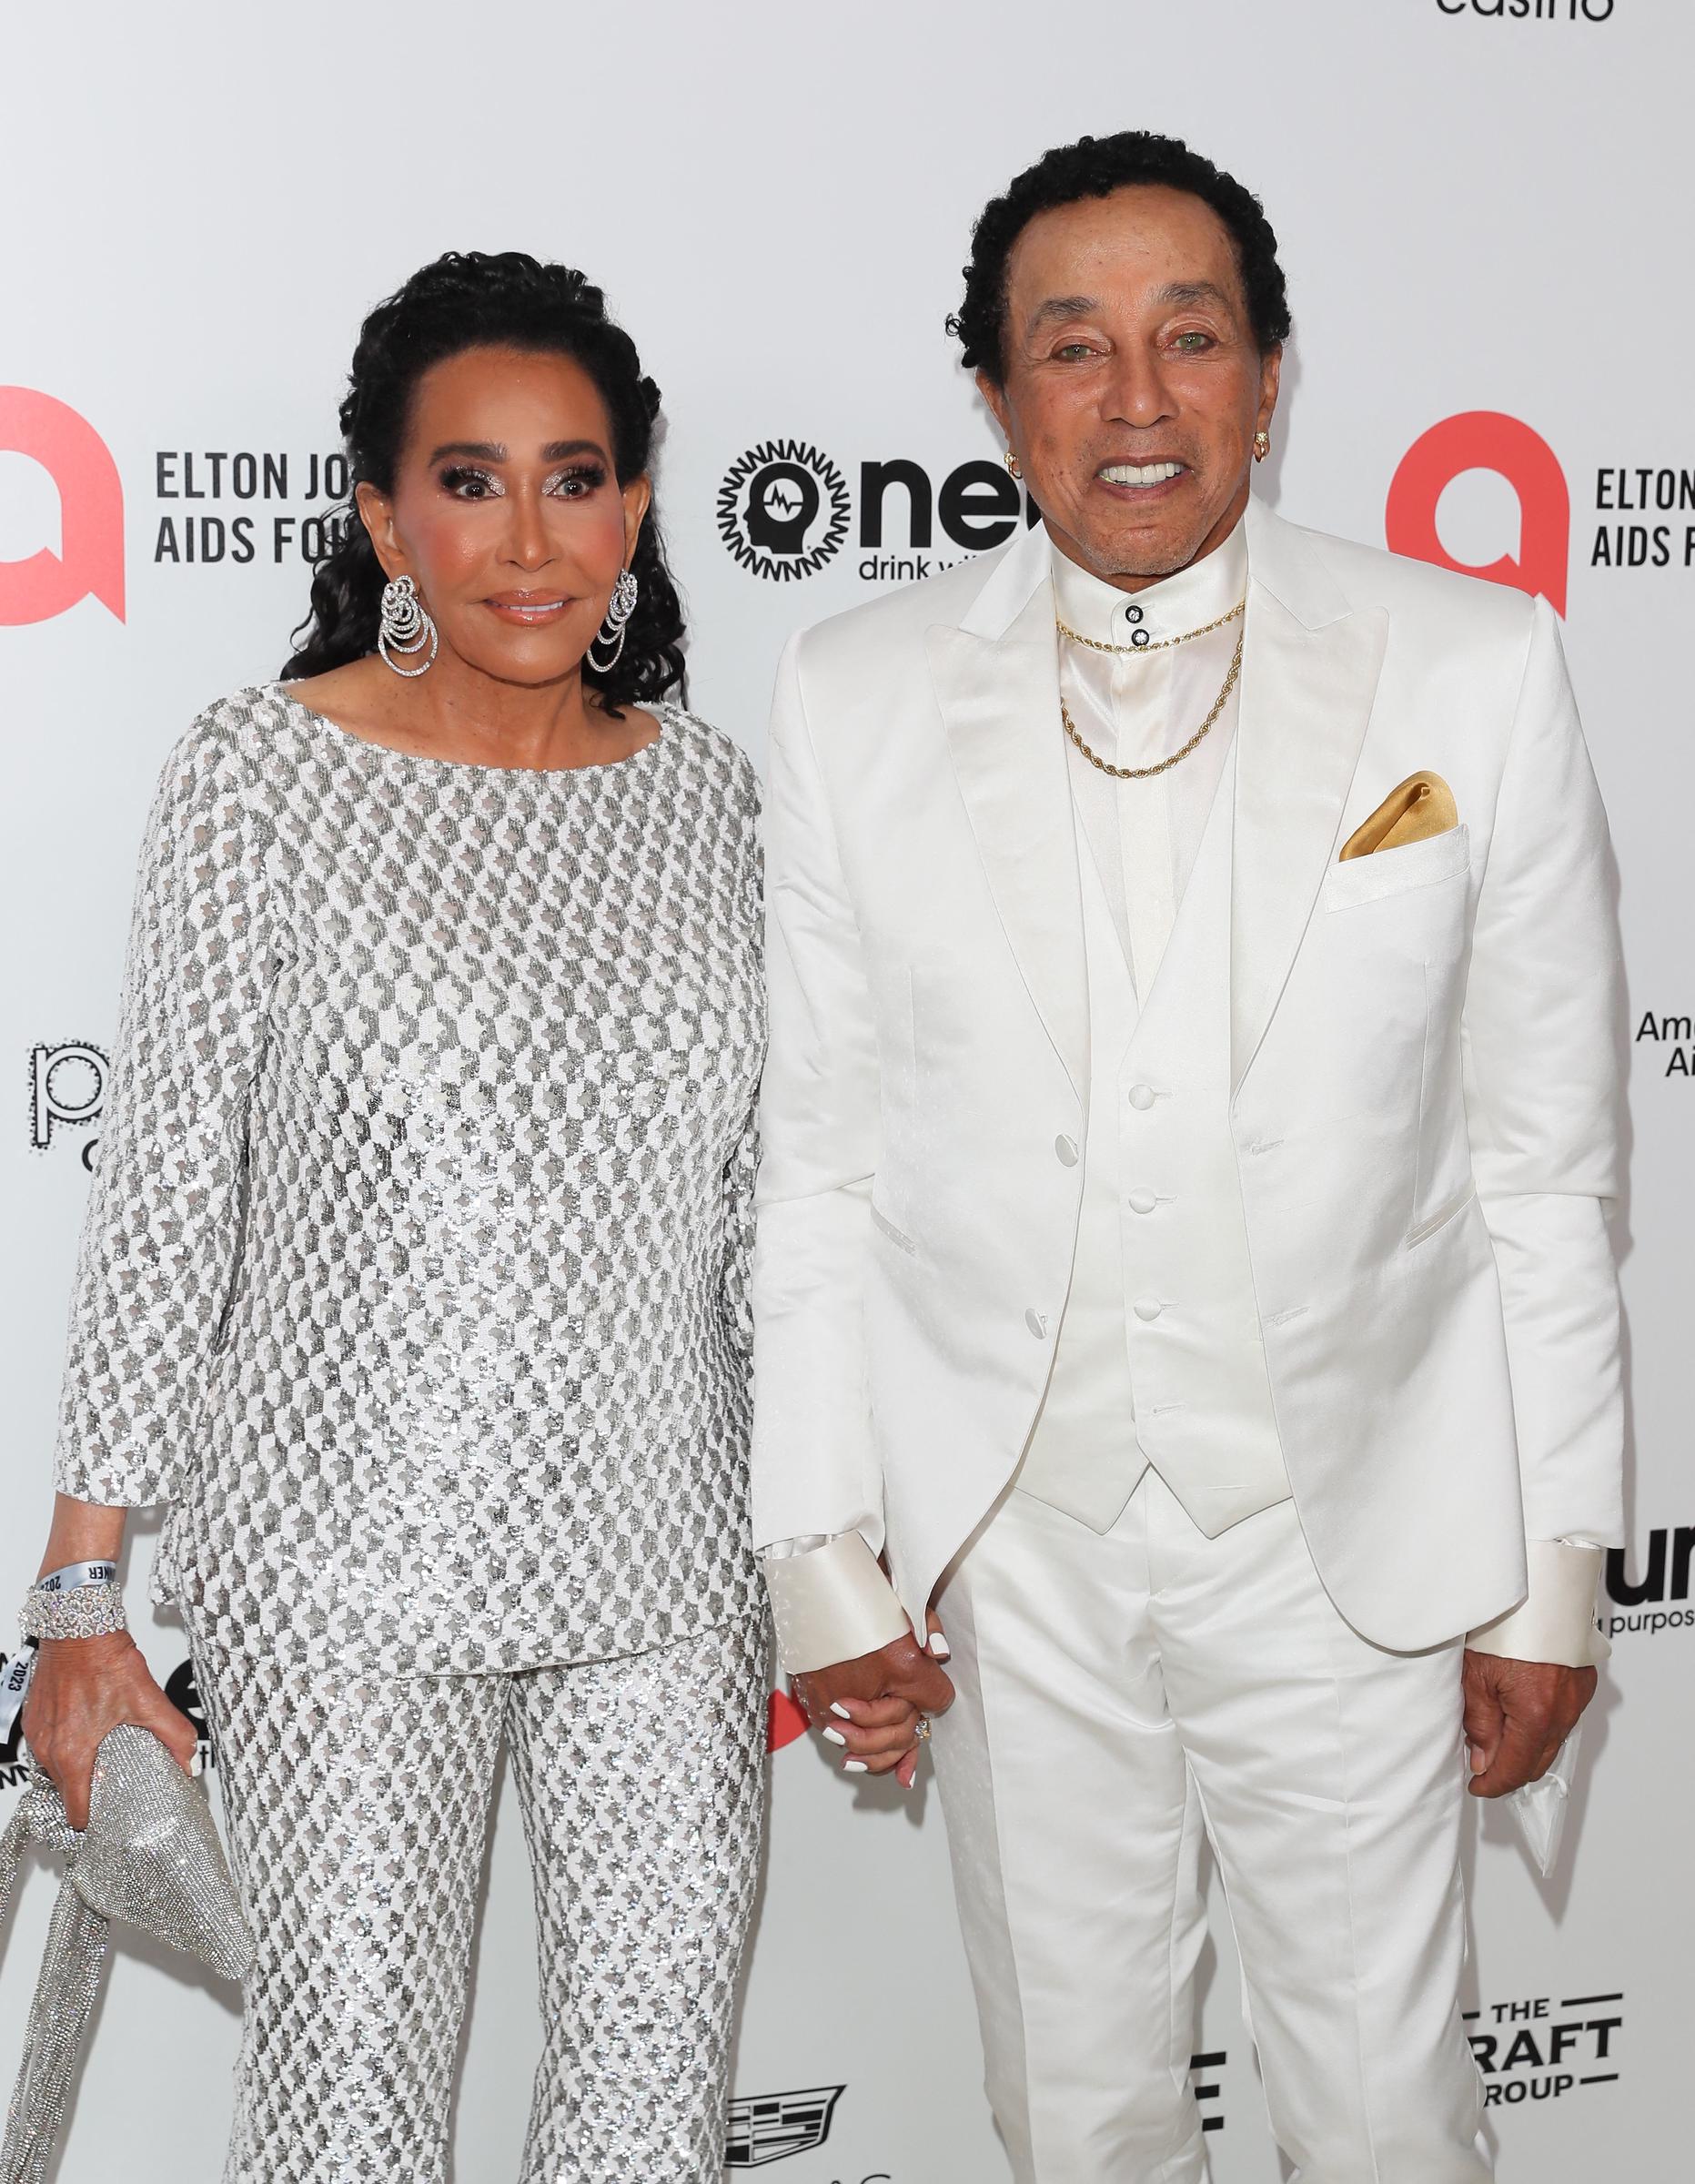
[{"x": 921, "y": 1732}]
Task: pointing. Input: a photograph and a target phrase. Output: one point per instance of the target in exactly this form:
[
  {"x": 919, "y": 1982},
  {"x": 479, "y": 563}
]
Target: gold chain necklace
[
  {"x": 1152, "y": 645},
  {"x": 1165, "y": 764}
]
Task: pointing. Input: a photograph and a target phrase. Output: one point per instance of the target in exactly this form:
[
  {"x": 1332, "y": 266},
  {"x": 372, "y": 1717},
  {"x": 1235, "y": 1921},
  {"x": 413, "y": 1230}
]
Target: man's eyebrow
[
  {"x": 1060, "y": 307},
  {"x": 1193, "y": 291}
]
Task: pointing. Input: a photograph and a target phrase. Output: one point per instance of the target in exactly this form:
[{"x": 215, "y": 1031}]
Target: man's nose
[{"x": 1136, "y": 393}]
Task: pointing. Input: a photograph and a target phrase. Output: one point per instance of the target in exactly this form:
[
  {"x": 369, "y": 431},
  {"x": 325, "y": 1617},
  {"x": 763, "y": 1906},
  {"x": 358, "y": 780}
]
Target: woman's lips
[{"x": 527, "y": 608}]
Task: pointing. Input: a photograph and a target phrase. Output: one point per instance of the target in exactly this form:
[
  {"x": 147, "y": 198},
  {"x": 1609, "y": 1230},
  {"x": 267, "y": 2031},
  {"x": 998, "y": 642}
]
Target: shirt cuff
[
  {"x": 1555, "y": 1620},
  {"x": 831, "y": 1603}
]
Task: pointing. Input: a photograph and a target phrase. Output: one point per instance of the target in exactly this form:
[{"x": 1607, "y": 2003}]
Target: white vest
[{"x": 1159, "y": 1359}]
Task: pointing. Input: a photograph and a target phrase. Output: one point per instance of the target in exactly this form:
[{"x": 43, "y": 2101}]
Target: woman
[{"x": 413, "y": 1279}]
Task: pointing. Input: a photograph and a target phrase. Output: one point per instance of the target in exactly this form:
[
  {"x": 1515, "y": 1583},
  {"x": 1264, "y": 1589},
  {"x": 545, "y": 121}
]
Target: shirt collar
[{"x": 1175, "y": 604}]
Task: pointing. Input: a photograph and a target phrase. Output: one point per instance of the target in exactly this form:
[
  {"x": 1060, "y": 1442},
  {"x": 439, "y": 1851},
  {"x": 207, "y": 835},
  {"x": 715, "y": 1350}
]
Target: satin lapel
[
  {"x": 1306, "y": 697},
  {"x": 999, "y": 699}
]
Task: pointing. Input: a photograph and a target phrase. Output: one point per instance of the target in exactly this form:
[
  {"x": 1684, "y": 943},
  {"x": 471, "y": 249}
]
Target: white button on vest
[
  {"x": 1037, "y": 1322},
  {"x": 1142, "y": 1098},
  {"x": 1143, "y": 1201},
  {"x": 1067, "y": 1150},
  {"x": 1149, "y": 1308}
]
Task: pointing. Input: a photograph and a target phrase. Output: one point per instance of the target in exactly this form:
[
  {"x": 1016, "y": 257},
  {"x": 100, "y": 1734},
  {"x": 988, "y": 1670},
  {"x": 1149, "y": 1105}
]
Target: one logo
[
  {"x": 782, "y": 509},
  {"x": 1484, "y": 440},
  {"x": 66, "y": 1085},
  {"x": 91, "y": 506},
  {"x": 773, "y": 2126}
]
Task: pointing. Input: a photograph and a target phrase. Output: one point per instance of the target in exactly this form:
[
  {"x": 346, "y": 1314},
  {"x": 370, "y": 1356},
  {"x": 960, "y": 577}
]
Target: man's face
[{"x": 1134, "y": 386}]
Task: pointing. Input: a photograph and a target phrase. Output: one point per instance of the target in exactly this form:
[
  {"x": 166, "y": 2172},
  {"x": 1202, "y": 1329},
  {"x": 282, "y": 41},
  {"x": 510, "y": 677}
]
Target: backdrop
[{"x": 1483, "y": 209}]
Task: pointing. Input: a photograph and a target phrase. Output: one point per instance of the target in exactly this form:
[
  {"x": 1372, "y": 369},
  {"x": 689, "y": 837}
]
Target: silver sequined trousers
[{"x": 357, "y": 1805}]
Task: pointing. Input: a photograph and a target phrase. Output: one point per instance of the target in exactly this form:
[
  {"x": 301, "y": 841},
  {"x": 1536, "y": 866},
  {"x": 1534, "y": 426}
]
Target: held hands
[
  {"x": 1517, "y": 1715},
  {"x": 869, "y": 1708},
  {"x": 83, "y": 1687}
]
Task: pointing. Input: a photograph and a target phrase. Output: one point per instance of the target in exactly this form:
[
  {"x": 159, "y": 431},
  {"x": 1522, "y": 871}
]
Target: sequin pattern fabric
[
  {"x": 356, "y": 1805},
  {"x": 414, "y": 1275}
]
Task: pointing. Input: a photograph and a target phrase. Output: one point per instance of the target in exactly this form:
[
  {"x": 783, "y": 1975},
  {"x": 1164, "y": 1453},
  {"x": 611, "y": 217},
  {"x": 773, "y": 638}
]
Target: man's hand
[
  {"x": 1517, "y": 1715},
  {"x": 868, "y": 1707}
]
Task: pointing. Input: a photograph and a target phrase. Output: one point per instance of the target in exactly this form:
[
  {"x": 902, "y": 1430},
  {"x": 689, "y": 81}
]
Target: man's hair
[{"x": 1093, "y": 168}]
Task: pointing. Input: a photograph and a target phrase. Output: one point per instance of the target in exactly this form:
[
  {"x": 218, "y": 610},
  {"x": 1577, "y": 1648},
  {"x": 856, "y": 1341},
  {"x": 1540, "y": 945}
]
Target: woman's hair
[
  {"x": 469, "y": 300},
  {"x": 1094, "y": 167}
]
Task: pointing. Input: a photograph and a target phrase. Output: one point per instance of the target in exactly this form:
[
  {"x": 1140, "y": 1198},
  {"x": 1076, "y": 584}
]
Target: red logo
[
  {"x": 1484, "y": 440},
  {"x": 785, "y": 1722},
  {"x": 91, "y": 501}
]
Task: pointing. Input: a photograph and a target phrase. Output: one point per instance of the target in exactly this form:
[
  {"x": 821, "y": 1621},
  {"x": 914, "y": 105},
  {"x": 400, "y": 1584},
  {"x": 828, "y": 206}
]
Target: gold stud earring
[
  {"x": 1262, "y": 445},
  {"x": 1010, "y": 460}
]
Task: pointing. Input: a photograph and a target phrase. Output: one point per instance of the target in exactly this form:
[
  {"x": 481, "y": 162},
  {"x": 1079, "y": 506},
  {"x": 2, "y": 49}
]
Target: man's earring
[
  {"x": 1262, "y": 445},
  {"x": 1010, "y": 460}
]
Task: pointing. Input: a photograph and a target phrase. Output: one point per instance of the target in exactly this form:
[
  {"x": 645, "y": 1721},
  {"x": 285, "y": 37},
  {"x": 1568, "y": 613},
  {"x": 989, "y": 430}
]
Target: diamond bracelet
[{"x": 86, "y": 1612}]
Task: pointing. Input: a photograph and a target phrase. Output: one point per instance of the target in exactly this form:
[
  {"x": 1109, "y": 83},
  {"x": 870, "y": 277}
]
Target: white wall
[{"x": 1477, "y": 213}]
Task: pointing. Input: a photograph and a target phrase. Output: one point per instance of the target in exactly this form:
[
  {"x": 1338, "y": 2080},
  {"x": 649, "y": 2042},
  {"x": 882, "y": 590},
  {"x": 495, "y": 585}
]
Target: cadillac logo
[{"x": 773, "y": 2126}]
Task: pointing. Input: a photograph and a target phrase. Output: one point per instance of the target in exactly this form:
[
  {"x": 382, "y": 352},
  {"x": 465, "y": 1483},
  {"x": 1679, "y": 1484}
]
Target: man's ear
[
  {"x": 995, "y": 397},
  {"x": 376, "y": 514},
  {"x": 1270, "y": 373}
]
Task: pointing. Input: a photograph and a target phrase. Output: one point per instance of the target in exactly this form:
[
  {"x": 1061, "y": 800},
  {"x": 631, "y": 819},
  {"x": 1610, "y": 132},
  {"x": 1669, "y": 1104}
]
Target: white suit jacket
[{"x": 1425, "y": 1060}]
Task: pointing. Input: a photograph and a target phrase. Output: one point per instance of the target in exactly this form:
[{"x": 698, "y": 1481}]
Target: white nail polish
[
  {"x": 940, "y": 1647},
  {"x": 837, "y": 1707},
  {"x": 834, "y": 1736},
  {"x": 852, "y": 1766}
]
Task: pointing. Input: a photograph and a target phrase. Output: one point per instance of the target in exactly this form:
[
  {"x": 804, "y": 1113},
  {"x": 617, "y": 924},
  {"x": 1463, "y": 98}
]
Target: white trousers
[{"x": 1120, "y": 1696}]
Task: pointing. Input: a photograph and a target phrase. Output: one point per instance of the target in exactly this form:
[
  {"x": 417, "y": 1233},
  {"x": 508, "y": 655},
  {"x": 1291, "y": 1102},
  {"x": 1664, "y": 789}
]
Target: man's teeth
[{"x": 1140, "y": 474}]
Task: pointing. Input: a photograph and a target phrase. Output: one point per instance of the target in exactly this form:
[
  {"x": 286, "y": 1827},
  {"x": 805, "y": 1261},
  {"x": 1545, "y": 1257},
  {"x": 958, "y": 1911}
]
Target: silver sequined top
[{"x": 414, "y": 1275}]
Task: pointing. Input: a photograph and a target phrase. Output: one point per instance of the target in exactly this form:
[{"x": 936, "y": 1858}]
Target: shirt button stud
[
  {"x": 1067, "y": 1149},
  {"x": 1149, "y": 1308},
  {"x": 1143, "y": 1201},
  {"x": 1140, "y": 1097},
  {"x": 1037, "y": 1322},
  {"x": 1133, "y": 612}
]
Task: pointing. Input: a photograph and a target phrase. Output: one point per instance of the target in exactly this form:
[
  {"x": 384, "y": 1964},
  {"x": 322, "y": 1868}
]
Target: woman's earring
[
  {"x": 1262, "y": 445},
  {"x": 404, "y": 627},
  {"x": 619, "y": 609},
  {"x": 1010, "y": 460}
]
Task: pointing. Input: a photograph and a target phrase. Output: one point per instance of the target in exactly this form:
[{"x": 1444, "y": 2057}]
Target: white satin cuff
[
  {"x": 1555, "y": 1620},
  {"x": 831, "y": 1603}
]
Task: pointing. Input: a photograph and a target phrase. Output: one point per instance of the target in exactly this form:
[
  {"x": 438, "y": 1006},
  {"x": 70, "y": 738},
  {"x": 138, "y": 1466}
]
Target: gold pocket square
[{"x": 1423, "y": 805}]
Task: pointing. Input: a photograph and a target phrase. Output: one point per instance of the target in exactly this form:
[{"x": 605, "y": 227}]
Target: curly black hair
[
  {"x": 469, "y": 299},
  {"x": 1093, "y": 168}
]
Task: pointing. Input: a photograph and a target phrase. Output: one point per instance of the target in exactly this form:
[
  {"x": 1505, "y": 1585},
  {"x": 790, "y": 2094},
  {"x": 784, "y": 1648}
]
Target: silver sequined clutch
[{"x": 149, "y": 1855}]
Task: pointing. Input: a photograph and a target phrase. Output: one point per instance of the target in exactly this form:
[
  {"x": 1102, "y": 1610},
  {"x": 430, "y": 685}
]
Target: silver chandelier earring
[
  {"x": 619, "y": 609},
  {"x": 405, "y": 627}
]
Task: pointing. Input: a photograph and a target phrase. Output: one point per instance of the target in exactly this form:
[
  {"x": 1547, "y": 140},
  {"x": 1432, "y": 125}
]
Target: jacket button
[
  {"x": 1143, "y": 1201},
  {"x": 1037, "y": 1322},
  {"x": 1140, "y": 1097},
  {"x": 1066, "y": 1149},
  {"x": 1149, "y": 1308}
]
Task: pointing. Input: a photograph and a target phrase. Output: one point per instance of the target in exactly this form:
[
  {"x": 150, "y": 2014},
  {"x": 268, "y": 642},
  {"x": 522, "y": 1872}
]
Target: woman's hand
[{"x": 83, "y": 1687}]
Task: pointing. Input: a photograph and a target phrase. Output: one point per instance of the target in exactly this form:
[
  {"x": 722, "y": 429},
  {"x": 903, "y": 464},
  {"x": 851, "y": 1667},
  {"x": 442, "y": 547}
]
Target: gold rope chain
[
  {"x": 1177, "y": 758},
  {"x": 1157, "y": 645}
]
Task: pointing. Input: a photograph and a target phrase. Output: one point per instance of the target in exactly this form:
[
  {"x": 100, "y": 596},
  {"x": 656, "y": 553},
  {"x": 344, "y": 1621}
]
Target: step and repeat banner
[{"x": 1483, "y": 206}]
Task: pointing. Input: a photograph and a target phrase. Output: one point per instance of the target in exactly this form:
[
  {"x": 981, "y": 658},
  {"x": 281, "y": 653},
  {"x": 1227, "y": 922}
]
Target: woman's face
[{"x": 506, "y": 511}]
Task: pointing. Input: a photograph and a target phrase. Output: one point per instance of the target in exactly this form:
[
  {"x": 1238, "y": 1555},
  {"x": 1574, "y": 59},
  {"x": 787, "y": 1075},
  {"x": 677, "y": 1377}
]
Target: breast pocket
[{"x": 1395, "y": 872}]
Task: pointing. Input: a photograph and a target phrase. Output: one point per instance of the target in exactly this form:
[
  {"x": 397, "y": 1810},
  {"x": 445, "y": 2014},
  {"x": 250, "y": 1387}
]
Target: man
[{"x": 1182, "y": 1252}]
